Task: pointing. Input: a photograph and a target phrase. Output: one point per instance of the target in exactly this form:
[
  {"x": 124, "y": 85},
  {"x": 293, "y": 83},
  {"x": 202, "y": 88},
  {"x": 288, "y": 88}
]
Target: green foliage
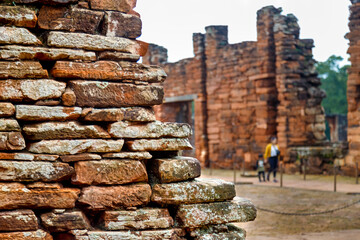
[{"x": 334, "y": 80}]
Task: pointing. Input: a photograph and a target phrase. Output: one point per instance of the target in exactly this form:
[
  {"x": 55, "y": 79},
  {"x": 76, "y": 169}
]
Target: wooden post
[
  {"x": 281, "y": 174},
  {"x": 210, "y": 165},
  {"x": 335, "y": 171},
  {"x": 357, "y": 172},
  {"x": 234, "y": 168},
  {"x": 304, "y": 164}
]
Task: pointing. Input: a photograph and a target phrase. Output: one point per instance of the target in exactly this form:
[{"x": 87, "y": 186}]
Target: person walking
[
  {"x": 260, "y": 167},
  {"x": 272, "y": 156}
]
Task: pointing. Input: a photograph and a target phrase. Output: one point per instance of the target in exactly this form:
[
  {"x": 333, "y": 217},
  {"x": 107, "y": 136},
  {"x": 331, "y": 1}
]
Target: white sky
[{"x": 171, "y": 23}]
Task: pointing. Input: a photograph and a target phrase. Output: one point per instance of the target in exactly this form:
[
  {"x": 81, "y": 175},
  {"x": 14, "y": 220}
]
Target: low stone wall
[{"x": 82, "y": 155}]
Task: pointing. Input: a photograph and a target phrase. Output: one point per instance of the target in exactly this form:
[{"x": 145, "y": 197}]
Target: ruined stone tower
[
  {"x": 81, "y": 154},
  {"x": 244, "y": 93}
]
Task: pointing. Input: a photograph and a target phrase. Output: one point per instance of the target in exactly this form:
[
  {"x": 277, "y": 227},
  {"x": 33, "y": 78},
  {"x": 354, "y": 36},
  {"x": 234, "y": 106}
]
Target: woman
[{"x": 271, "y": 155}]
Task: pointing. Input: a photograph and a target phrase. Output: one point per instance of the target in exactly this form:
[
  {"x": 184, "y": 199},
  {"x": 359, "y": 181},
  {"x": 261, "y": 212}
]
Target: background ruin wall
[{"x": 244, "y": 93}]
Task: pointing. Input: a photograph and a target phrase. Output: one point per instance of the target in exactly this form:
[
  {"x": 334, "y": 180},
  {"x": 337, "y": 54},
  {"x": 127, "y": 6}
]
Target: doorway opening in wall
[{"x": 182, "y": 112}]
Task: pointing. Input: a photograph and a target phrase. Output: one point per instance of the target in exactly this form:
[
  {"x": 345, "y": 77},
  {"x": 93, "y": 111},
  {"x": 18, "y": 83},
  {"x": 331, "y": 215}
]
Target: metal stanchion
[
  {"x": 304, "y": 164},
  {"x": 234, "y": 168},
  {"x": 210, "y": 165}
]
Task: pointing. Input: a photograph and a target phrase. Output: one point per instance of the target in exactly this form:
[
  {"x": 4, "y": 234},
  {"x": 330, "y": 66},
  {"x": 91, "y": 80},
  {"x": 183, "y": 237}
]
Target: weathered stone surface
[
  {"x": 166, "y": 234},
  {"x": 134, "y": 114},
  {"x": 44, "y": 54},
  {"x": 144, "y": 218},
  {"x": 173, "y": 169},
  {"x": 42, "y": 185},
  {"x": 7, "y": 109},
  {"x": 63, "y": 147},
  {"x": 22, "y": 36},
  {"x": 22, "y": 70},
  {"x": 68, "y": 98},
  {"x": 12, "y": 141},
  {"x": 115, "y": 197},
  {"x": 23, "y": 156},
  {"x": 17, "y": 16},
  {"x": 18, "y": 90},
  {"x": 109, "y": 172},
  {"x": 62, "y": 130},
  {"x": 44, "y": 113},
  {"x": 116, "y": 5},
  {"x": 164, "y": 144},
  {"x": 80, "y": 157},
  {"x": 118, "y": 56},
  {"x": 18, "y": 220},
  {"x": 95, "y": 42},
  {"x": 218, "y": 232},
  {"x": 34, "y": 171},
  {"x": 69, "y": 19},
  {"x": 51, "y": 2},
  {"x": 197, "y": 191},
  {"x": 156, "y": 129},
  {"x": 33, "y": 235},
  {"x": 129, "y": 155},
  {"x": 196, "y": 215},
  {"x": 108, "y": 70},
  {"x": 17, "y": 196},
  {"x": 105, "y": 94},
  {"x": 117, "y": 24},
  {"x": 8, "y": 125},
  {"x": 66, "y": 221}
]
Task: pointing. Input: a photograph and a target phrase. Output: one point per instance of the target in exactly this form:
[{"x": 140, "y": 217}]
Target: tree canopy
[{"x": 334, "y": 82}]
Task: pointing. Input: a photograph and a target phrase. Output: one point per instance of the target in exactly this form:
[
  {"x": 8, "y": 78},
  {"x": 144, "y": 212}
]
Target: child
[{"x": 260, "y": 167}]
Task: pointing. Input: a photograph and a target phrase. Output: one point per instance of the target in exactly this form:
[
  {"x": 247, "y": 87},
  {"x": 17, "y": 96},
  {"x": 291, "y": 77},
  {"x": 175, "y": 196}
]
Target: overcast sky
[{"x": 171, "y": 23}]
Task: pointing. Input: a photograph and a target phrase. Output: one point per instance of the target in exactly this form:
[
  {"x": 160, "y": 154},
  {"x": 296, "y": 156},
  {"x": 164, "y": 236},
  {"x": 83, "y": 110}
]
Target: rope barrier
[{"x": 309, "y": 214}]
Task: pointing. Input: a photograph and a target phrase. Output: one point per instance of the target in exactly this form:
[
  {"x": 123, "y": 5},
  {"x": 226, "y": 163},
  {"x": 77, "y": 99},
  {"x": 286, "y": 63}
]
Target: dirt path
[{"x": 300, "y": 197}]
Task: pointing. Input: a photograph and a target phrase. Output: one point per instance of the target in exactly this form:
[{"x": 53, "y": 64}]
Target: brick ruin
[
  {"x": 82, "y": 156},
  {"x": 242, "y": 94},
  {"x": 353, "y": 84}
]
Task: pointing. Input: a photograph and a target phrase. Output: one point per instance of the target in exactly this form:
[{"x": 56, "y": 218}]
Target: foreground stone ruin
[
  {"x": 82, "y": 155},
  {"x": 245, "y": 93}
]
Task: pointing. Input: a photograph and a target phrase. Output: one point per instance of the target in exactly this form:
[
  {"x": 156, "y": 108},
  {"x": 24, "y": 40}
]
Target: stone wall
[
  {"x": 81, "y": 153},
  {"x": 353, "y": 85},
  {"x": 245, "y": 93}
]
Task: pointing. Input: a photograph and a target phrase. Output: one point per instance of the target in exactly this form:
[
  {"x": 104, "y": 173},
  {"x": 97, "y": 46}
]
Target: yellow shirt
[{"x": 267, "y": 153}]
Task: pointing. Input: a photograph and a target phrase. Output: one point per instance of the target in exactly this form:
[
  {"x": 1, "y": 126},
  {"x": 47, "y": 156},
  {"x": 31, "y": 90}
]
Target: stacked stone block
[{"x": 82, "y": 156}]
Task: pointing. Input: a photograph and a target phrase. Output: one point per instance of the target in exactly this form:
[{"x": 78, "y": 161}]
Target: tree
[{"x": 334, "y": 82}]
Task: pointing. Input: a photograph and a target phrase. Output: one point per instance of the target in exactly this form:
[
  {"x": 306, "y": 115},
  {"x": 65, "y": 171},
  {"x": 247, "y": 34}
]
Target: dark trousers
[
  {"x": 273, "y": 161},
  {"x": 261, "y": 173}
]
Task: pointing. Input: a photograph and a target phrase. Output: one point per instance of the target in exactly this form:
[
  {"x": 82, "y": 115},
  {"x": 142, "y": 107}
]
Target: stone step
[
  {"x": 237, "y": 210},
  {"x": 157, "y": 129},
  {"x": 196, "y": 191},
  {"x": 140, "y": 219},
  {"x": 133, "y": 114},
  {"x": 17, "y": 196},
  {"x": 20, "y": 70},
  {"x": 109, "y": 172},
  {"x": 114, "y": 197},
  {"x": 21, "y": 36},
  {"x": 177, "y": 169}
]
